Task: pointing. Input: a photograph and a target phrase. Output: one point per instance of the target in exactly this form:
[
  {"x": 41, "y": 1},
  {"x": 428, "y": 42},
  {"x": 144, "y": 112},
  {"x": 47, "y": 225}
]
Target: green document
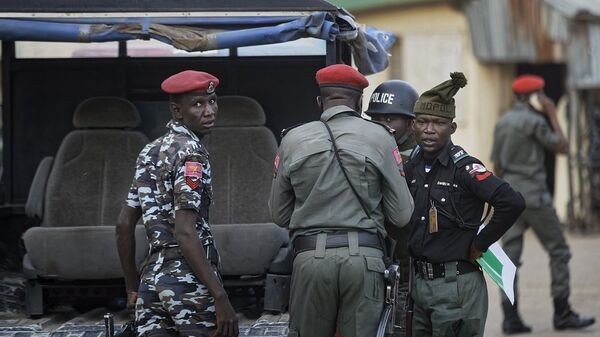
[{"x": 500, "y": 268}]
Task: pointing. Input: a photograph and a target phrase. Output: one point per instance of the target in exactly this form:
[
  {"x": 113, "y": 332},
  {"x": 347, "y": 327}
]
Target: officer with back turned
[{"x": 336, "y": 182}]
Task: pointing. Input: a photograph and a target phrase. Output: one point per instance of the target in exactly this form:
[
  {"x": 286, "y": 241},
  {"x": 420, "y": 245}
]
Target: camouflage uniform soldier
[
  {"x": 180, "y": 292},
  {"x": 520, "y": 137},
  {"x": 336, "y": 216}
]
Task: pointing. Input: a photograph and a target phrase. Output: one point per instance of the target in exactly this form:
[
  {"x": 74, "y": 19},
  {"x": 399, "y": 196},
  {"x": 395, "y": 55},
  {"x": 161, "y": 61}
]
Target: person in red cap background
[
  {"x": 520, "y": 137},
  {"x": 336, "y": 182},
  {"x": 179, "y": 291}
]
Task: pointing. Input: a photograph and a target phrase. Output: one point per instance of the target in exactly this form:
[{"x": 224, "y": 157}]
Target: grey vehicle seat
[
  {"x": 242, "y": 151},
  {"x": 78, "y": 195}
]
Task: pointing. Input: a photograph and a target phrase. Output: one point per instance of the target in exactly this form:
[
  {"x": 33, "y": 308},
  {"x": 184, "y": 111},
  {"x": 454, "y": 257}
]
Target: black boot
[
  {"x": 565, "y": 318},
  {"x": 512, "y": 323}
]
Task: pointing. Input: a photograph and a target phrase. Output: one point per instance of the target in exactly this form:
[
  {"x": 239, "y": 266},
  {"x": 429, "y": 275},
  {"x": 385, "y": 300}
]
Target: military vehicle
[{"x": 81, "y": 96}]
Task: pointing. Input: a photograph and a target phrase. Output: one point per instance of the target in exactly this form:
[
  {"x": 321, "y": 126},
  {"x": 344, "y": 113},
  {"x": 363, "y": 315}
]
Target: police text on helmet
[{"x": 382, "y": 97}]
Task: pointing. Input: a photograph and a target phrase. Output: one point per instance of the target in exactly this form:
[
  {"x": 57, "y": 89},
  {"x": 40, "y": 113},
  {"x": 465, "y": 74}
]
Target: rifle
[
  {"x": 409, "y": 304},
  {"x": 388, "y": 317}
]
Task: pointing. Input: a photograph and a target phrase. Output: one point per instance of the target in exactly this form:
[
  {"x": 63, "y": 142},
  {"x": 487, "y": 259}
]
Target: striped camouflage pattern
[
  {"x": 171, "y": 299},
  {"x": 159, "y": 186}
]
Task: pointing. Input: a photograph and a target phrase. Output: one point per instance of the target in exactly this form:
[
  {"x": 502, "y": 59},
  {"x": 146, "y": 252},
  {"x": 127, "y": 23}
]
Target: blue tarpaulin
[{"x": 208, "y": 33}]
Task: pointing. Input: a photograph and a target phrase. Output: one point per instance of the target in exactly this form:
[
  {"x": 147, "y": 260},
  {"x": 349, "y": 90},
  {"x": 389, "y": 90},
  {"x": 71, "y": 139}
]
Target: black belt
[
  {"x": 335, "y": 240},
  {"x": 431, "y": 271}
]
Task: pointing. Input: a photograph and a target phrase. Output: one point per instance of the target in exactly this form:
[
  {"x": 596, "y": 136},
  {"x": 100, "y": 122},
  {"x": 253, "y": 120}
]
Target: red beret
[
  {"x": 190, "y": 81},
  {"x": 341, "y": 75},
  {"x": 525, "y": 84}
]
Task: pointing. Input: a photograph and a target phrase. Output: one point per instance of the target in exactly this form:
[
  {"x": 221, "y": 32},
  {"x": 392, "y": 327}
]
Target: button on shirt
[
  {"x": 459, "y": 194},
  {"x": 161, "y": 185},
  {"x": 520, "y": 137},
  {"x": 310, "y": 193}
]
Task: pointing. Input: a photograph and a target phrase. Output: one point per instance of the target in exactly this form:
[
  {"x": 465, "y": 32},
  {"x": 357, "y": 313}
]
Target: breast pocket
[{"x": 446, "y": 200}]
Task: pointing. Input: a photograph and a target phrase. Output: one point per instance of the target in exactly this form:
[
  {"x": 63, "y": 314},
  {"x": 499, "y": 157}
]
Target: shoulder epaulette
[
  {"x": 286, "y": 130},
  {"x": 415, "y": 152},
  {"x": 459, "y": 155},
  {"x": 385, "y": 126}
]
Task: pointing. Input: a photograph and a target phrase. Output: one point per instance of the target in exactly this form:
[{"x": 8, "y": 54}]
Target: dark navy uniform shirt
[{"x": 458, "y": 185}]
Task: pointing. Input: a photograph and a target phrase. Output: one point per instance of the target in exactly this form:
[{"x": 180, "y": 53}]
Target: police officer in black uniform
[{"x": 450, "y": 189}]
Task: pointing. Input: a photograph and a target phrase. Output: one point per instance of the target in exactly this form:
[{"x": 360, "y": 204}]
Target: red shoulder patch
[
  {"x": 483, "y": 176},
  {"x": 397, "y": 156},
  {"x": 193, "y": 174},
  {"x": 276, "y": 162}
]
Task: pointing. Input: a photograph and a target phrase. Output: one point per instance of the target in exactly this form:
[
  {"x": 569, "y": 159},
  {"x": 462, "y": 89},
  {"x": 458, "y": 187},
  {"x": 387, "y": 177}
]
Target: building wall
[{"x": 434, "y": 40}]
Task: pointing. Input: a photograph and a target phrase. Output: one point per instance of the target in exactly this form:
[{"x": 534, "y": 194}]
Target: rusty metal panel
[{"x": 516, "y": 30}]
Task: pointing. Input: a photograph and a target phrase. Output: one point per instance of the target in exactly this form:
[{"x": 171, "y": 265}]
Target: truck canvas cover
[{"x": 225, "y": 25}]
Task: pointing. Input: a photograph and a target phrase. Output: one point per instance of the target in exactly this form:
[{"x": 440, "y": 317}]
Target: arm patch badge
[
  {"x": 398, "y": 158},
  {"x": 478, "y": 171},
  {"x": 193, "y": 174}
]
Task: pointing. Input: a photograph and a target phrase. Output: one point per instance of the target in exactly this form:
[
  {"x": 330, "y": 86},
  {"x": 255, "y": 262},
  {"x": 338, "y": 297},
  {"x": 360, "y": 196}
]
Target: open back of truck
[{"x": 57, "y": 54}]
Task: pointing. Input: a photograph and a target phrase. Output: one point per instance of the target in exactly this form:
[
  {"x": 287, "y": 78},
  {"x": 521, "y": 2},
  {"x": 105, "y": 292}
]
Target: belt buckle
[{"x": 429, "y": 270}]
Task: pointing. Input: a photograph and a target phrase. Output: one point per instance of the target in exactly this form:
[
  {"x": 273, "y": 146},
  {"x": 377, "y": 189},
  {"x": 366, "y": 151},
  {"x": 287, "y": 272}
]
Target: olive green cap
[{"x": 439, "y": 101}]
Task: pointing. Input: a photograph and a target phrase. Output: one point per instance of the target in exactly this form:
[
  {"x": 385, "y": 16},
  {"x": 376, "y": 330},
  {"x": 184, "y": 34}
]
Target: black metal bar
[
  {"x": 331, "y": 49},
  {"x": 6, "y": 184},
  {"x": 122, "y": 49}
]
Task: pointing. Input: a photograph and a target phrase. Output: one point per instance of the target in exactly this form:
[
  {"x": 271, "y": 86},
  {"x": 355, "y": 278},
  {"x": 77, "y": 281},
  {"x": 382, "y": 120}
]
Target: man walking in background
[{"x": 520, "y": 138}]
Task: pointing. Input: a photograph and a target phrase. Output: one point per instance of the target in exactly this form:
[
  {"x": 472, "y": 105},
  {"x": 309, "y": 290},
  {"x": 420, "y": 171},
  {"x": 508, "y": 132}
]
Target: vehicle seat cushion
[
  {"x": 241, "y": 157},
  {"x": 248, "y": 249},
  {"x": 239, "y": 111},
  {"x": 106, "y": 112},
  {"x": 91, "y": 175},
  {"x": 242, "y": 173},
  {"x": 79, "y": 253}
]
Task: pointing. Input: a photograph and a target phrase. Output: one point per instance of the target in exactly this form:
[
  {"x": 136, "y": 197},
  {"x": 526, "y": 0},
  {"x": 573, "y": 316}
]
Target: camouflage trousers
[{"x": 172, "y": 302}]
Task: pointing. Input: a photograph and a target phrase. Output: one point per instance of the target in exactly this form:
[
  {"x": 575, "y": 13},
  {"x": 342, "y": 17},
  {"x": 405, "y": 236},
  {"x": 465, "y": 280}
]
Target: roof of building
[{"x": 577, "y": 9}]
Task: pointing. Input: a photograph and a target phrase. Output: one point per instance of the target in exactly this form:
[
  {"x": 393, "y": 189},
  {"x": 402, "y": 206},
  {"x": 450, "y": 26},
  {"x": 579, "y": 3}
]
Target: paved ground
[{"x": 536, "y": 303}]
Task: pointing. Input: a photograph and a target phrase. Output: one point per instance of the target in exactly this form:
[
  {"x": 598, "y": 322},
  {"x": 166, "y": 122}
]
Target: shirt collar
[
  {"x": 336, "y": 110},
  {"x": 443, "y": 157},
  {"x": 178, "y": 127},
  {"x": 522, "y": 106}
]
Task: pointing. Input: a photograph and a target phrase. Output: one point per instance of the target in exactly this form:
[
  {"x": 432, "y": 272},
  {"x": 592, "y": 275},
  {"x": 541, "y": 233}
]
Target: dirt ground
[{"x": 535, "y": 301}]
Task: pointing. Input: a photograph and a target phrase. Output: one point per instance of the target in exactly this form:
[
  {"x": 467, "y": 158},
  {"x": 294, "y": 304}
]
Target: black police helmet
[{"x": 393, "y": 97}]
